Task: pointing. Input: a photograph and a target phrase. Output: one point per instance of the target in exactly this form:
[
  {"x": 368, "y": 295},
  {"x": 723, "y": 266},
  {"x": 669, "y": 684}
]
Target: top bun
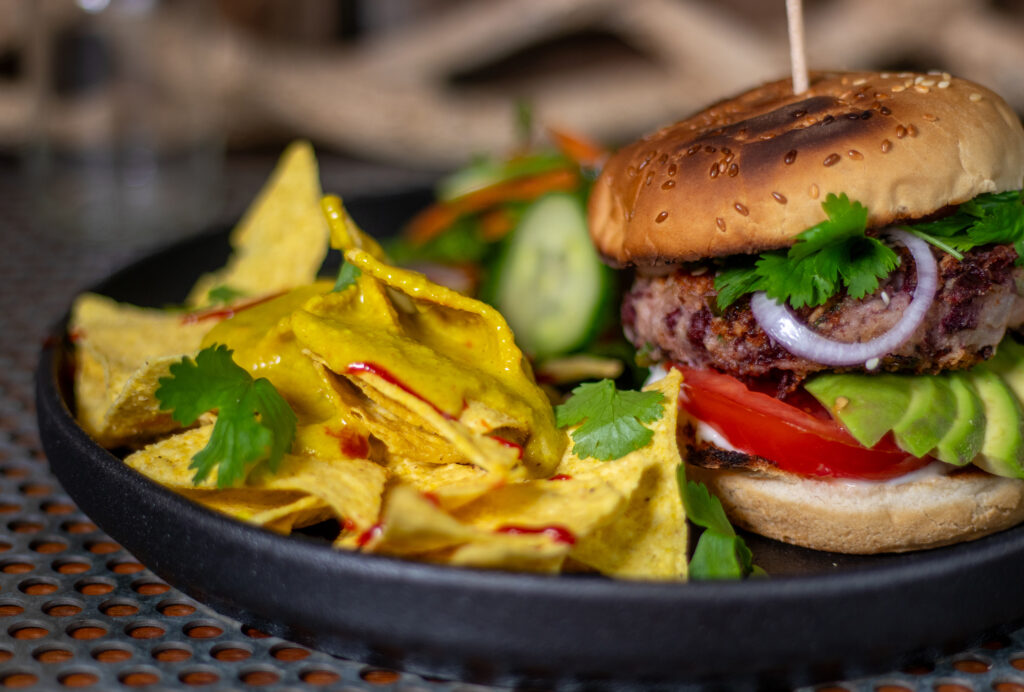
[{"x": 750, "y": 173}]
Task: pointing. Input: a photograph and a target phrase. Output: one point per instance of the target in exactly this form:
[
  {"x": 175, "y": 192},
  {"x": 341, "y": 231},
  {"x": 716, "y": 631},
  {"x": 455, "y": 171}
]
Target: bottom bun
[{"x": 925, "y": 509}]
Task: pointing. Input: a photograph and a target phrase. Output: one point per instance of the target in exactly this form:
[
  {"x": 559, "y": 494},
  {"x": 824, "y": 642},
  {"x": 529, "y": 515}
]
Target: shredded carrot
[
  {"x": 436, "y": 218},
  {"x": 580, "y": 149}
]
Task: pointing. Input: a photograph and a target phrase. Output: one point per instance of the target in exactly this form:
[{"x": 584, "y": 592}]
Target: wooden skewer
[{"x": 797, "y": 55}]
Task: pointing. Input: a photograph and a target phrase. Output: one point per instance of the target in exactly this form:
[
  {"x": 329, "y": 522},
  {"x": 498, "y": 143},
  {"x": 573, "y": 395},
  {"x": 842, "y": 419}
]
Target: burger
[{"x": 838, "y": 274}]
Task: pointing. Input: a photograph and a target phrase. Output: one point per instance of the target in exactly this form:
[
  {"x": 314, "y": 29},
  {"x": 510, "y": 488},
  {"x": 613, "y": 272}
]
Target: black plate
[{"x": 820, "y": 616}]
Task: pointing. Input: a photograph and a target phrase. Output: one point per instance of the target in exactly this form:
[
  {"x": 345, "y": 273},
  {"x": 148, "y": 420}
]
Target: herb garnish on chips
[
  {"x": 253, "y": 421},
  {"x": 612, "y": 419}
]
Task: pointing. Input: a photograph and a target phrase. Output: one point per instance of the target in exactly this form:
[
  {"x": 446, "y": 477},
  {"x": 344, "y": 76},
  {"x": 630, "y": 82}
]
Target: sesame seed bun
[
  {"x": 917, "y": 512},
  {"x": 750, "y": 173}
]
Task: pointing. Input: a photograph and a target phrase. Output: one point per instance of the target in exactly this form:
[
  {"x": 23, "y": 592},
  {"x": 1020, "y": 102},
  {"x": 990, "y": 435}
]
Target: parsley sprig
[
  {"x": 994, "y": 218},
  {"x": 834, "y": 254},
  {"x": 720, "y": 553},
  {"x": 613, "y": 420},
  {"x": 254, "y": 422}
]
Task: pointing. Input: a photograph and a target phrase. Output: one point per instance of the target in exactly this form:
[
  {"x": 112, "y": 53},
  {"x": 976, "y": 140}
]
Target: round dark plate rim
[{"x": 801, "y": 627}]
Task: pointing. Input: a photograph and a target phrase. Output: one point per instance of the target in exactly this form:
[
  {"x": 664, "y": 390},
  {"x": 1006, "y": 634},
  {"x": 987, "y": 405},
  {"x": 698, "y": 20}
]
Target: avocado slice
[
  {"x": 966, "y": 433},
  {"x": 867, "y": 405},
  {"x": 1002, "y": 450},
  {"x": 928, "y": 416}
]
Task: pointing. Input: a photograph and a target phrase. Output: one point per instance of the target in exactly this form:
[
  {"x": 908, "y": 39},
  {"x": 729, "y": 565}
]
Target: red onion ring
[{"x": 786, "y": 329}]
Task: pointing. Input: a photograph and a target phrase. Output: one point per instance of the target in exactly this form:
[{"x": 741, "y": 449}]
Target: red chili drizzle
[
  {"x": 226, "y": 312},
  {"x": 561, "y": 477},
  {"x": 559, "y": 534},
  {"x": 385, "y": 374},
  {"x": 368, "y": 535},
  {"x": 352, "y": 444},
  {"x": 509, "y": 443}
]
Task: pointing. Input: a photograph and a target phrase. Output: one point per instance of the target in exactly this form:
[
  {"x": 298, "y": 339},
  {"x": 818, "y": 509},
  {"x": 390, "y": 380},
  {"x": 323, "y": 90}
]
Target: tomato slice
[{"x": 794, "y": 438}]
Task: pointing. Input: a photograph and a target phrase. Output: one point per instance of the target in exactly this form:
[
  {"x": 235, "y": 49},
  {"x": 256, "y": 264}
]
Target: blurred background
[{"x": 130, "y": 121}]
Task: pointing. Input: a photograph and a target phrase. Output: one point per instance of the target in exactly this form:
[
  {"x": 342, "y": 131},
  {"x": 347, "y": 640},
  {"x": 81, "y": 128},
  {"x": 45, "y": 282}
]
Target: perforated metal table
[{"x": 76, "y": 610}]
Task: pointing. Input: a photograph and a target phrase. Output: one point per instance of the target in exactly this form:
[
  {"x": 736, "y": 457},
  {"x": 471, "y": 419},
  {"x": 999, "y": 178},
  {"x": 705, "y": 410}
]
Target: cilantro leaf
[
  {"x": 612, "y": 419},
  {"x": 347, "y": 276},
  {"x": 720, "y": 553},
  {"x": 825, "y": 258},
  {"x": 254, "y": 421},
  {"x": 993, "y": 218}
]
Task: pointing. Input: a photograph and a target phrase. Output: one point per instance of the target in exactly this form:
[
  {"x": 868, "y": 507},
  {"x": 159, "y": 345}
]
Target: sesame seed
[
  {"x": 710, "y": 149},
  {"x": 947, "y": 76},
  {"x": 859, "y": 81},
  {"x": 693, "y": 150},
  {"x": 790, "y": 156},
  {"x": 918, "y": 79},
  {"x": 734, "y": 170},
  {"x": 814, "y": 191},
  {"x": 886, "y": 75},
  {"x": 668, "y": 185},
  {"x": 928, "y": 82},
  {"x": 699, "y": 271},
  {"x": 884, "y": 295},
  {"x": 663, "y": 159},
  {"x": 855, "y": 155},
  {"x": 722, "y": 167},
  {"x": 885, "y": 110},
  {"x": 872, "y": 364},
  {"x": 650, "y": 155},
  {"x": 921, "y": 89},
  {"x": 728, "y": 152},
  {"x": 904, "y": 75},
  {"x": 943, "y": 84},
  {"x": 975, "y": 97},
  {"x": 912, "y": 130},
  {"x": 714, "y": 170},
  {"x": 779, "y": 197},
  {"x": 908, "y": 83},
  {"x": 720, "y": 222},
  {"x": 649, "y": 179},
  {"x": 831, "y": 160},
  {"x": 729, "y": 157},
  {"x": 741, "y": 209},
  {"x": 886, "y": 146},
  {"x": 929, "y": 117},
  {"x": 898, "y": 88},
  {"x": 901, "y": 132},
  {"x": 661, "y": 217},
  {"x": 631, "y": 171},
  {"x": 672, "y": 169}
]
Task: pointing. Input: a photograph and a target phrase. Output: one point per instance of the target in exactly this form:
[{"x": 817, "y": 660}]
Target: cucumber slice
[{"x": 549, "y": 282}]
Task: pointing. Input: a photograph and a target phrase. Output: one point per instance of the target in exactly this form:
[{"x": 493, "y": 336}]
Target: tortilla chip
[
  {"x": 412, "y": 524},
  {"x": 282, "y": 512},
  {"x": 475, "y": 448},
  {"x": 452, "y": 485},
  {"x": 351, "y": 488},
  {"x": 282, "y": 239},
  {"x": 345, "y": 233},
  {"x": 434, "y": 346},
  {"x": 649, "y": 539},
  {"x": 122, "y": 351}
]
